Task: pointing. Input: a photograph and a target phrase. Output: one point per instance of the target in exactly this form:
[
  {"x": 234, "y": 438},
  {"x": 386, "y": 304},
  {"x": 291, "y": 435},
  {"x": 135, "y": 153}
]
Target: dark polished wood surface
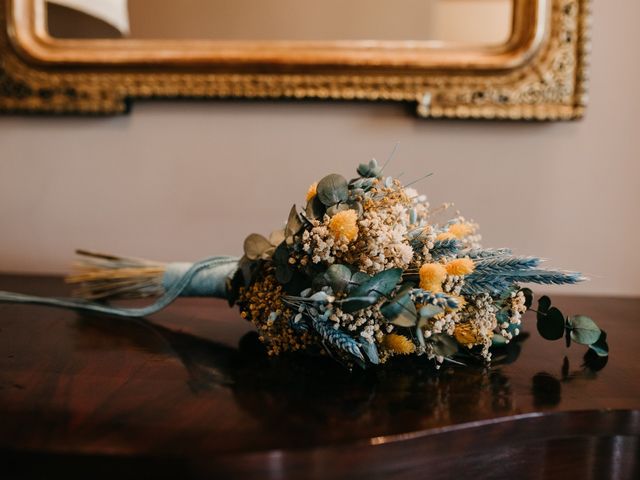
[{"x": 191, "y": 394}]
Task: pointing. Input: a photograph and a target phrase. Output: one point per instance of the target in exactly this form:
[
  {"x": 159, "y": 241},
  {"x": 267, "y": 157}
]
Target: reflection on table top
[{"x": 193, "y": 382}]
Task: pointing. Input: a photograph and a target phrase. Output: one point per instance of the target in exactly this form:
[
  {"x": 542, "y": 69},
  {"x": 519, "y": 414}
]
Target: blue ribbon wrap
[{"x": 203, "y": 278}]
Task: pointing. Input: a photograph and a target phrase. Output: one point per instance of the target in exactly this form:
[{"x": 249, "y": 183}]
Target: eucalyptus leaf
[
  {"x": 294, "y": 223},
  {"x": 400, "y": 311},
  {"x": 357, "y": 207},
  {"x": 601, "y": 347},
  {"x": 319, "y": 281},
  {"x": 583, "y": 329},
  {"x": 369, "y": 170},
  {"x": 315, "y": 209},
  {"x": 255, "y": 246},
  {"x": 443, "y": 345},
  {"x": 338, "y": 277},
  {"x": 381, "y": 284},
  {"x": 357, "y": 279},
  {"x": 544, "y": 303},
  {"x": 333, "y": 189},
  {"x": 353, "y": 304},
  {"x": 430, "y": 311},
  {"x": 284, "y": 272},
  {"x": 551, "y": 325},
  {"x": 277, "y": 237}
]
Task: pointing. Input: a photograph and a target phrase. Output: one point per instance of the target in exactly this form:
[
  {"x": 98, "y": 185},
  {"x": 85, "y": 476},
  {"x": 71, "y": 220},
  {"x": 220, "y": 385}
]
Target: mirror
[
  {"x": 485, "y": 59},
  {"x": 476, "y": 22}
]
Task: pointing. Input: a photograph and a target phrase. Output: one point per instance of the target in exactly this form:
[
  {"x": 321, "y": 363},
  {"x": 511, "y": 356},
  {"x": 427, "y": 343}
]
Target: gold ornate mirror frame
[{"x": 540, "y": 73}]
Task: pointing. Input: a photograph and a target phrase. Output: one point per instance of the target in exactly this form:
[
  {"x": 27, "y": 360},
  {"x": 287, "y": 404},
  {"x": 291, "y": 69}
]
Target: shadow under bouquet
[{"x": 362, "y": 273}]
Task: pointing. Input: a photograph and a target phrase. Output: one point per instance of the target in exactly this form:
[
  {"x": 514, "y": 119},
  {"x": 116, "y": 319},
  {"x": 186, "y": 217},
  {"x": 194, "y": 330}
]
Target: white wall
[{"x": 183, "y": 180}]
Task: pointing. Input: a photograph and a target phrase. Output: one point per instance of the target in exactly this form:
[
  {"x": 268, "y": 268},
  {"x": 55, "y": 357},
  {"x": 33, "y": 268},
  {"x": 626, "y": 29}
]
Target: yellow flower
[
  {"x": 466, "y": 334},
  {"x": 460, "y": 267},
  {"x": 312, "y": 191},
  {"x": 344, "y": 225},
  {"x": 399, "y": 344},
  {"x": 461, "y": 230},
  {"x": 431, "y": 276},
  {"x": 445, "y": 236}
]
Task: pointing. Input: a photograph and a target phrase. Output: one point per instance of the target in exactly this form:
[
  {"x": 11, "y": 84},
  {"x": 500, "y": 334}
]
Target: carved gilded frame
[{"x": 540, "y": 73}]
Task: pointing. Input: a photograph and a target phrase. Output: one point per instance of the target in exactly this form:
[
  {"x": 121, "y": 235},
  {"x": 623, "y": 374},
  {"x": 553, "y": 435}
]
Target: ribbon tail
[{"x": 169, "y": 296}]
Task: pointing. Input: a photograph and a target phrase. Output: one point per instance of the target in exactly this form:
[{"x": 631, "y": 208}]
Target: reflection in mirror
[{"x": 477, "y": 22}]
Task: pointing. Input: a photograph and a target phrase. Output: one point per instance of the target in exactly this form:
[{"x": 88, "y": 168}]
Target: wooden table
[{"x": 190, "y": 394}]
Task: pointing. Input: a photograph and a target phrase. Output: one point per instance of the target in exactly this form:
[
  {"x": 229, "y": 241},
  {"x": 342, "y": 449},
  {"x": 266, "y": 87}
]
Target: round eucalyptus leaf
[
  {"x": 601, "y": 347},
  {"x": 551, "y": 325},
  {"x": 255, "y": 245},
  {"x": 338, "y": 277},
  {"x": 544, "y": 303},
  {"x": 333, "y": 189},
  {"x": 584, "y": 330},
  {"x": 593, "y": 361}
]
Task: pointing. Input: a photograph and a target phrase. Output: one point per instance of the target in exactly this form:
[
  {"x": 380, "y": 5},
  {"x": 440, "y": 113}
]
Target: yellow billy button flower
[
  {"x": 344, "y": 225},
  {"x": 399, "y": 344},
  {"x": 460, "y": 267},
  {"x": 461, "y": 230},
  {"x": 466, "y": 334},
  {"x": 431, "y": 276},
  {"x": 445, "y": 236},
  {"x": 312, "y": 191}
]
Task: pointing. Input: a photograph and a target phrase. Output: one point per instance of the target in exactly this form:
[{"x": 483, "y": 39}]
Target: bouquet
[{"x": 362, "y": 273}]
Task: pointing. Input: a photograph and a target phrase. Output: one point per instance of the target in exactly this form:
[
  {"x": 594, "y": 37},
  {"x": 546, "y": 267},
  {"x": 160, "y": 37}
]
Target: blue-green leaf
[
  {"x": 357, "y": 279},
  {"x": 544, "y": 303},
  {"x": 430, "y": 311},
  {"x": 338, "y": 277},
  {"x": 400, "y": 311},
  {"x": 551, "y": 325},
  {"x": 583, "y": 329},
  {"x": 601, "y": 347},
  {"x": 333, "y": 189},
  {"x": 381, "y": 284},
  {"x": 353, "y": 304}
]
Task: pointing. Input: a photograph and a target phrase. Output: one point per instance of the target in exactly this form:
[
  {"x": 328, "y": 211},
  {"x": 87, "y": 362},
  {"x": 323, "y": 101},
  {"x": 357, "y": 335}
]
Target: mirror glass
[{"x": 475, "y": 22}]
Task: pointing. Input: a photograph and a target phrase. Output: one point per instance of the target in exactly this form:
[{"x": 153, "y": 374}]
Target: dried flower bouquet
[{"x": 363, "y": 273}]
